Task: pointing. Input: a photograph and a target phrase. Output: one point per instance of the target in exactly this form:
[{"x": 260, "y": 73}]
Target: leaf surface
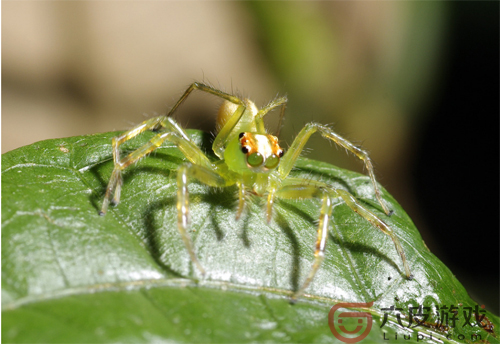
[{"x": 69, "y": 275}]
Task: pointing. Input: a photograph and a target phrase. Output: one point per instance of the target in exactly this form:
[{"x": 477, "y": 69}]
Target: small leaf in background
[{"x": 70, "y": 275}]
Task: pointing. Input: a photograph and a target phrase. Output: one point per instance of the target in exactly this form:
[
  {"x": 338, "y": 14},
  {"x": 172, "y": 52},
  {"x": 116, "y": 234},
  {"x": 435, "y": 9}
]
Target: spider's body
[{"x": 253, "y": 160}]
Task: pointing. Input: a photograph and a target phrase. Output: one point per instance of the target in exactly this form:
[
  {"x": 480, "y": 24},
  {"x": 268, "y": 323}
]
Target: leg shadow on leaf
[
  {"x": 291, "y": 235},
  {"x": 339, "y": 233},
  {"x": 153, "y": 228}
]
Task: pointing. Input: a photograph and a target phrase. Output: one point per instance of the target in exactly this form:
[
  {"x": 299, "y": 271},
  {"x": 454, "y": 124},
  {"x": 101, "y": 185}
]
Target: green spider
[{"x": 253, "y": 160}]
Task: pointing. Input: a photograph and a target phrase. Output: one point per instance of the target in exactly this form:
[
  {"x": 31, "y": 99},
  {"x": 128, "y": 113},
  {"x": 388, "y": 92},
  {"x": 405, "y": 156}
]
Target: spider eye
[
  {"x": 281, "y": 153},
  {"x": 245, "y": 149},
  {"x": 241, "y": 135},
  {"x": 272, "y": 161},
  {"x": 255, "y": 159}
]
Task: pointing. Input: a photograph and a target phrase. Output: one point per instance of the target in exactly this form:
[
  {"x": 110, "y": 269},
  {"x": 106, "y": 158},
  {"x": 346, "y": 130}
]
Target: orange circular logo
[{"x": 350, "y": 327}]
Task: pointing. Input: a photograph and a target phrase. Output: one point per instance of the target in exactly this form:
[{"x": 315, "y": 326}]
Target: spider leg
[
  {"x": 205, "y": 175},
  {"x": 115, "y": 182},
  {"x": 241, "y": 200},
  {"x": 207, "y": 89},
  {"x": 274, "y": 185},
  {"x": 294, "y": 188},
  {"x": 354, "y": 204},
  {"x": 227, "y": 131},
  {"x": 291, "y": 156},
  {"x": 269, "y": 205},
  {"x": 160, "y": 122},
  {"x": 223, "y": 135},
  {"x": 299, "y": 189},
  {"x": 282, "y": 101},
  {"x": 171, "y": 132}
]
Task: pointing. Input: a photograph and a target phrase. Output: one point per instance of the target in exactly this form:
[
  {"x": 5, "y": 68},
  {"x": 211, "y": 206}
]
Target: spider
[{"x": 253, "y": 160}]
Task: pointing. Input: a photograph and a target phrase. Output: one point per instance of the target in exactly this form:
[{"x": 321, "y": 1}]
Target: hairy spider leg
[
  {"x": 354, "y": 204},
  {"x": 282, "y": 101},
  {"x": 171, "y": 132},
  {"x": 295, "y": 188},
  {"x": 291, "y": 156},
  {"x": 115, "y": 181},
  {"x": 241, "y": 200},
  {"x": 228, "y": 128},
  {"x": 205, "y": 175},
  {"x": 208, "y": 89}
]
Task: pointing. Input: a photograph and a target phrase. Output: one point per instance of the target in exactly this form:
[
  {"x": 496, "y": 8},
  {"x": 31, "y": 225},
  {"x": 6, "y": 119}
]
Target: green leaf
[{"x": 69, "y": 275}]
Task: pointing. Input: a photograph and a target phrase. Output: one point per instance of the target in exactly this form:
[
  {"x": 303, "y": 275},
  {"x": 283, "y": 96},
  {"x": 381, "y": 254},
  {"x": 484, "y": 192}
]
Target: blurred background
[{"x": 415, "y": 82}]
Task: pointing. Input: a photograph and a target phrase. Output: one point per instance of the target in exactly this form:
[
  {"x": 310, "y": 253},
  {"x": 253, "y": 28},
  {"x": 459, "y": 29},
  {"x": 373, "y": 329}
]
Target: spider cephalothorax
[
  {"x": 251, "y": 159},
  {"x": 262, "y": 152}
]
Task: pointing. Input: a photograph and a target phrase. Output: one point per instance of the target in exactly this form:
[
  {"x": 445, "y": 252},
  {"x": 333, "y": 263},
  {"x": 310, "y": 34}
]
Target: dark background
[{"x": 460, "y": 202}]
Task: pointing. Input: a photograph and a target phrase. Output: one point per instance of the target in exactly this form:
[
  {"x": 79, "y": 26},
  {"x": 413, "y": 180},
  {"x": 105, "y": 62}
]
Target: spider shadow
[
  {"x": 218, "y": 199},
  {"x": 357, "y": 247},
  {"x": 96, "y": 196},
  {"x": 244, "y": 231},
  {"x": 152, "y": 234},
  {"x": 285, "y": 227},
  {"x": 153, "y": 231},
  {"x": 321, "y": 176}
]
